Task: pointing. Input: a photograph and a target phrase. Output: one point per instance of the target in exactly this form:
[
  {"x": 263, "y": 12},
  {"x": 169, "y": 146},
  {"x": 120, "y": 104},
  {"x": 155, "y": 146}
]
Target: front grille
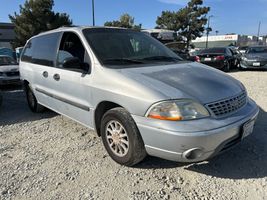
[
  {"x": 228, "y": 106},
  {"x": 12, "y": 73}
]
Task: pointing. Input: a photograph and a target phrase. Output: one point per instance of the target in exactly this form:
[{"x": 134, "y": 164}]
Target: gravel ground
[{"x": 47, "y": 156}]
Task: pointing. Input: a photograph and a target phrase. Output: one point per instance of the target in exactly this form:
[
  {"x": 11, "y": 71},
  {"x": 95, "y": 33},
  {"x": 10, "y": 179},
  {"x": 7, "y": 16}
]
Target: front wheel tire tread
[{"x": 136, "y": 152}]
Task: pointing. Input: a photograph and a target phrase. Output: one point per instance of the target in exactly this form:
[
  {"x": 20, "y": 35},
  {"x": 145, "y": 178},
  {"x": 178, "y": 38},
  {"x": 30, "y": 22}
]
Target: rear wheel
[
  {"x": 226, "y": 66},
  {"x": 121, "y": 137},
  {"x": 32, "y": 101}
]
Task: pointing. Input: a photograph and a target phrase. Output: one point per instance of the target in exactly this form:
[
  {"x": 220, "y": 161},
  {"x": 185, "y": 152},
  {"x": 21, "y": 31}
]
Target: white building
[{"x": 227, "y": 40}]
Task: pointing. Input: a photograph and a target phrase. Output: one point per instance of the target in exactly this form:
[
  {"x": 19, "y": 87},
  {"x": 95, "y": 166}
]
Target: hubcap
[{"x": 117, "y": 138}]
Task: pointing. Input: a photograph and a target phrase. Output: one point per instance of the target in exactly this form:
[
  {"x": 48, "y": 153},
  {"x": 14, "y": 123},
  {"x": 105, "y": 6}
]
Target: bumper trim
[{"x": 173, "y": 146}]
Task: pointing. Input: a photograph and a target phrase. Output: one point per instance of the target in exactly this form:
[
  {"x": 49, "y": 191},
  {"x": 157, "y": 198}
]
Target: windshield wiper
[
  {"x": 123, "y": 61},
  {"x": 162, "y": 58}
]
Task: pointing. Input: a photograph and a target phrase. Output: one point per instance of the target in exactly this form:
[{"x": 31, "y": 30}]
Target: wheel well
[
  {"x": 25, "y": 84},
  {"x": 101, "y": 109}
]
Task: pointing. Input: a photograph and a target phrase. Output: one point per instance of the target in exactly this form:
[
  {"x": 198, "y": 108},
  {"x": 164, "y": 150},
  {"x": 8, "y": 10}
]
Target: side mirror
[
  {"x": 74, "y": 63},
  {"x": 86, "y": 67},
  {"x": 71, "y": 62}
]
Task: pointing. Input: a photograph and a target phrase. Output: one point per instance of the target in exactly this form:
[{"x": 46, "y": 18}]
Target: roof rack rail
[{"x": 66, "y": 26}]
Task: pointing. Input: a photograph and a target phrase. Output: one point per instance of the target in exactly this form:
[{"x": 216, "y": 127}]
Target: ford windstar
[{"x": 138, "y": 95}]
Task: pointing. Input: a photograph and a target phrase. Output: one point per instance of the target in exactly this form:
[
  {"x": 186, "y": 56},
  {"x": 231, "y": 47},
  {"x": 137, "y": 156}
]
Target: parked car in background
[
  {"x": 254, "y": 58},
  {"x": 236, "y": 54},
  {"x": 179, "y": 49},
  {"x": 9, "y": 71},
  {"x": 243, "y": 49},
  {"x": 138, "y": 95},
  {"x": 162, "y": 35},
  {"x": 18, "y": 53},
  {"x": 7, "y": 52},
  {"x": 221, "y": 58}
]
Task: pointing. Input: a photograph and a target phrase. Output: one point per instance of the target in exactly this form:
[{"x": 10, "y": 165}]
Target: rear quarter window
[
  {"x": 27, "y": 52},
  {"x": 42, "y": 50}
]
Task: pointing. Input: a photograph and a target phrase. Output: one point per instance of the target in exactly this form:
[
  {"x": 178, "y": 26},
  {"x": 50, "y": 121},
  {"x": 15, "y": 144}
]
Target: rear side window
[
  {"x": 42, "y": 50},
  {"x": 27, "y": 52}
]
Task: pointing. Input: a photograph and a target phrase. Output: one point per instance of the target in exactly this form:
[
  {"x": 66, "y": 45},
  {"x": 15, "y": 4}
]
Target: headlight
[
  {"x": 244, "y": 58},
  {"x": 177, "y": 110}
]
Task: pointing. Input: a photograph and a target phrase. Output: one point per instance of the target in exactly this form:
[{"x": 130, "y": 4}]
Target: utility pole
[
  {"x": 259, "y": 29},
  {"x": 93, "y": 11},
  {"x": 208, "y": 31}
]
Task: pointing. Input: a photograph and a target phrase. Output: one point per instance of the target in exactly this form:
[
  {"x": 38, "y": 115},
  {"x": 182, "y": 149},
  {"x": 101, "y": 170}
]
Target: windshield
[
  {"x": 243, "y": 48},
  {"x": 122, "y": 47},
  {"x": 6, "y": 60},
  {"x": 213, "y": 50},
  {"x": 257, "y": 50}
]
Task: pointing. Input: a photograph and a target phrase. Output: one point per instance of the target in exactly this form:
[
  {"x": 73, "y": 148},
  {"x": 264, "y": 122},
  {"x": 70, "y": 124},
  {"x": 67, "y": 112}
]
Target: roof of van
[
  {"x": 66, "y": 28},
  {"x": 74, "y": 28}
]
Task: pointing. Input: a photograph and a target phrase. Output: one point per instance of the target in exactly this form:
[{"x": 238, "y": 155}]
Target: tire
[
  {"x": 32, "y": 101},
  {"x": 226, "y": 66},
  {"x": 130, "y": 148},
  {"x": 1, "y": 98},
  {"x": 241, "y": 68}
]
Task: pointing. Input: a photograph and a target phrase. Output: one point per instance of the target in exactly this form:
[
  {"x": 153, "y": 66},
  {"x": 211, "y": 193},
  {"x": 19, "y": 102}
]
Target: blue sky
[{"x": 230, "y": 16}]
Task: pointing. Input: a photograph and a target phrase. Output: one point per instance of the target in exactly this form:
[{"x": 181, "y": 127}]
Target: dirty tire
[
  {"x": 136, "y": 151},
  {"x": 32, "y": 101},
  {"x": 226, "y": 66}
]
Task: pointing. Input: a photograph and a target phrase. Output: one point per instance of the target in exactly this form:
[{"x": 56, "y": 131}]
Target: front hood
[
  {"x": 187, "y": 80},
  {"x": 257, "y": 56},
  {"x": 8, "y": 68}
]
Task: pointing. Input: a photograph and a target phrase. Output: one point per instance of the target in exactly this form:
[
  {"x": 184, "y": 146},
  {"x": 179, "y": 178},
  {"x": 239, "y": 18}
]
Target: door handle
[
  {"x": 56, "y": 77},
  {"x": 45, "y": 74}
]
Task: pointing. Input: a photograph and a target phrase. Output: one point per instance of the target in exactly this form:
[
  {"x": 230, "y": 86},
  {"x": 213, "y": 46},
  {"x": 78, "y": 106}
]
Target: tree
[
  {"x": 36, "y": 16},
  {"x": 189, "y": 22},
  {"x": 125, "y": 21}
]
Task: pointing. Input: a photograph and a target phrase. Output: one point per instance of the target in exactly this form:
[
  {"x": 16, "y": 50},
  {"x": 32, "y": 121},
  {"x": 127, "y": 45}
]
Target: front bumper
[
  {"x": 251, "y": 64},
  {"x": 201, "y": 139},
  {"x": 215, "y": 64}
]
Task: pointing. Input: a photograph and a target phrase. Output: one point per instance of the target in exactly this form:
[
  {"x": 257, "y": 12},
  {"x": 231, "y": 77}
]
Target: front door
[{"x": 72, "y": 80}]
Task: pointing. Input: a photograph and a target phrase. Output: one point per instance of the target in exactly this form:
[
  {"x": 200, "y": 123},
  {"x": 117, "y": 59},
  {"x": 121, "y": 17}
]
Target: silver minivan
[{"x": 138, "y": 95}]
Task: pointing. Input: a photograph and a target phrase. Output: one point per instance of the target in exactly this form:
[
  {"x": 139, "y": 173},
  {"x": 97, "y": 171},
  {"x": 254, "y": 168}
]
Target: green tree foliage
[
  {"x": 125, "y": 21},
  {"x": 36, "y": 16},
  {"x": 189, "y": 22}
]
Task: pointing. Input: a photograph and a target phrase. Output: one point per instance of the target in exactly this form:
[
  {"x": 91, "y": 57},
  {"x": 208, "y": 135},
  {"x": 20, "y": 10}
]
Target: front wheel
[
  {"x": 32, "y": 101},
  {"x": 121, "y": 137}
]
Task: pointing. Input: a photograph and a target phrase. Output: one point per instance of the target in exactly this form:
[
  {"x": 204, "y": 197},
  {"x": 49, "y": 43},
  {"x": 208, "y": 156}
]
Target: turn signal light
[{"x": 175, "y": 118}]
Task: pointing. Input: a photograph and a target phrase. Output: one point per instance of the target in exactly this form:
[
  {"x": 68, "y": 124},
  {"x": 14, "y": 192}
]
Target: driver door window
[
  {"x": 72, "y": 80},
  {"x": 72, "y": 49}
]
